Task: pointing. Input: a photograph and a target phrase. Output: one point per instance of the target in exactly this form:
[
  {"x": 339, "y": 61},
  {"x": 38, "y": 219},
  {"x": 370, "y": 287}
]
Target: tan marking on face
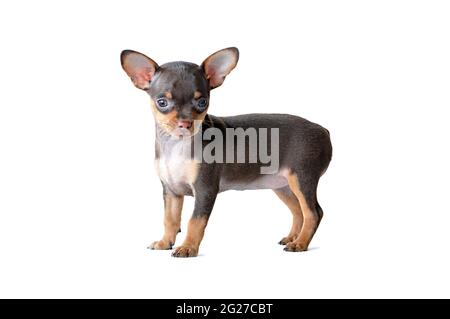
[
  {"x": 168, "y": 95},
  {"x": 166, "y": 121},
  {"x": 197, "y": 94},
  {"x": 310, "y": 219},
  {"x": 293, "y": 204}
]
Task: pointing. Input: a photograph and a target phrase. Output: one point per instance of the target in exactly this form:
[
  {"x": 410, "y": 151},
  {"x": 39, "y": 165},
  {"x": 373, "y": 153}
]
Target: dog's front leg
[
  {"x": 204, "y": 202},
  {"x": 173, "y": 204}
]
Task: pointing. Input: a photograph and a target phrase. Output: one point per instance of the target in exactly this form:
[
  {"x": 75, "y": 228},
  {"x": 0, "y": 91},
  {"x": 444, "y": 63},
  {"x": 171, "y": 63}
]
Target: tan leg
[
  {"x": 172, "y": 219},
  {"x": 195, "y": 232},
  {"x": 310, "y": 218},
  {"x": 291, "y": 201}
]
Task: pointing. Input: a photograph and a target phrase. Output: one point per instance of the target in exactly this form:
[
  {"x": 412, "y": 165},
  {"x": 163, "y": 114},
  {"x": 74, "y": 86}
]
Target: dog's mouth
[
  {"x": 182, "y": 132},
  {"x": 186, "y": 131}
]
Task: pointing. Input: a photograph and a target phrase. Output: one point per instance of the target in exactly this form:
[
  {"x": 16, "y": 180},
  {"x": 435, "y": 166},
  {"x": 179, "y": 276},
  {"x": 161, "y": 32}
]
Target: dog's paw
[
  {"x": 161, "y": 245},
  {"x": 185, "y": 251},
  {"x": 286, "y": 240},
  {"x": 293, "y": 246}
]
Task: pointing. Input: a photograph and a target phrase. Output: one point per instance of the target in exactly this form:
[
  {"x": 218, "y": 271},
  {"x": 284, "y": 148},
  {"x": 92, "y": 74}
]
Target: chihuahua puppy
[{"x": 179, "y": 97}]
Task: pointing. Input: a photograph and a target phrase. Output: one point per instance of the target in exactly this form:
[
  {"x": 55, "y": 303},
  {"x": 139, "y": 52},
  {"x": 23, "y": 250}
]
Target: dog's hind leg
[
  {"x": 304, "y": 189},
  {"x": 291, "y": 201}
]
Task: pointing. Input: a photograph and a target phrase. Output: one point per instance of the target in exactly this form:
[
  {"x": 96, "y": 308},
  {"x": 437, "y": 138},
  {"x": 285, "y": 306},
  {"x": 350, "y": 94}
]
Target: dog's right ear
[{"x": 139, "y": 67}]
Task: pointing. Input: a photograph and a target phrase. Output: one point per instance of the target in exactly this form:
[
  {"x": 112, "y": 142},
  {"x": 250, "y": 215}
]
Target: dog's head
[{"x": 179, "y": 91}]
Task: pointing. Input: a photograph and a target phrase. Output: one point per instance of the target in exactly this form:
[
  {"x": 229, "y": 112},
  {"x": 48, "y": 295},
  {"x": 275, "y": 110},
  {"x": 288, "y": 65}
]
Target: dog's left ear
[
  {"x": 218, "y": 65},
  {"x": 139, "y": 67}
]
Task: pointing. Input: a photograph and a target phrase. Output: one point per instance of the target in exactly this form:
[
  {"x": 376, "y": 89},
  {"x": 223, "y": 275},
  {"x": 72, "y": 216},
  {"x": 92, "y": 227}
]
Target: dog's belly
[
  {"x": 179, "y": 173},
  {"x": 262, "y": 182}
]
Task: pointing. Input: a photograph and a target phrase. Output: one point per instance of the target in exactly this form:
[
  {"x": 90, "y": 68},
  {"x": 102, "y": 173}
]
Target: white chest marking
[{"x": 176, "y": 170}]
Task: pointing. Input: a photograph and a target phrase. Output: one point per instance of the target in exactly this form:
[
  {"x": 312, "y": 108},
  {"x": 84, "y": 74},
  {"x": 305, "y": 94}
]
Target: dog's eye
[
  {"x": 202, "y": 103},
  {"x": 162, "y": 103}
]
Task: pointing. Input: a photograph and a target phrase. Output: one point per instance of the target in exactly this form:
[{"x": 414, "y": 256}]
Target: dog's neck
[{"x": 168, "y": 145}]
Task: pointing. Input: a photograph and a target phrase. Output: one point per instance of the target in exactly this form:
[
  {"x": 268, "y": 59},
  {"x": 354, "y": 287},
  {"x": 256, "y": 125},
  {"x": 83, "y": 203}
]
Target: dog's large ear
[
  {"x": 139, "y": 67},
  {"x": 218, "y": 65}
]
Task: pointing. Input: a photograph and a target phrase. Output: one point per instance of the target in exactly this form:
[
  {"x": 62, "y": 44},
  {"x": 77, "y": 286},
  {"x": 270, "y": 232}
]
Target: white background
[{"x": 79, "y": 198}]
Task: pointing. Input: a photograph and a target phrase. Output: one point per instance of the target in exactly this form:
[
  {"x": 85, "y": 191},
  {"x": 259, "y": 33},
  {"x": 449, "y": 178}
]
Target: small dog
[{"x": 179, "y": 97}]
